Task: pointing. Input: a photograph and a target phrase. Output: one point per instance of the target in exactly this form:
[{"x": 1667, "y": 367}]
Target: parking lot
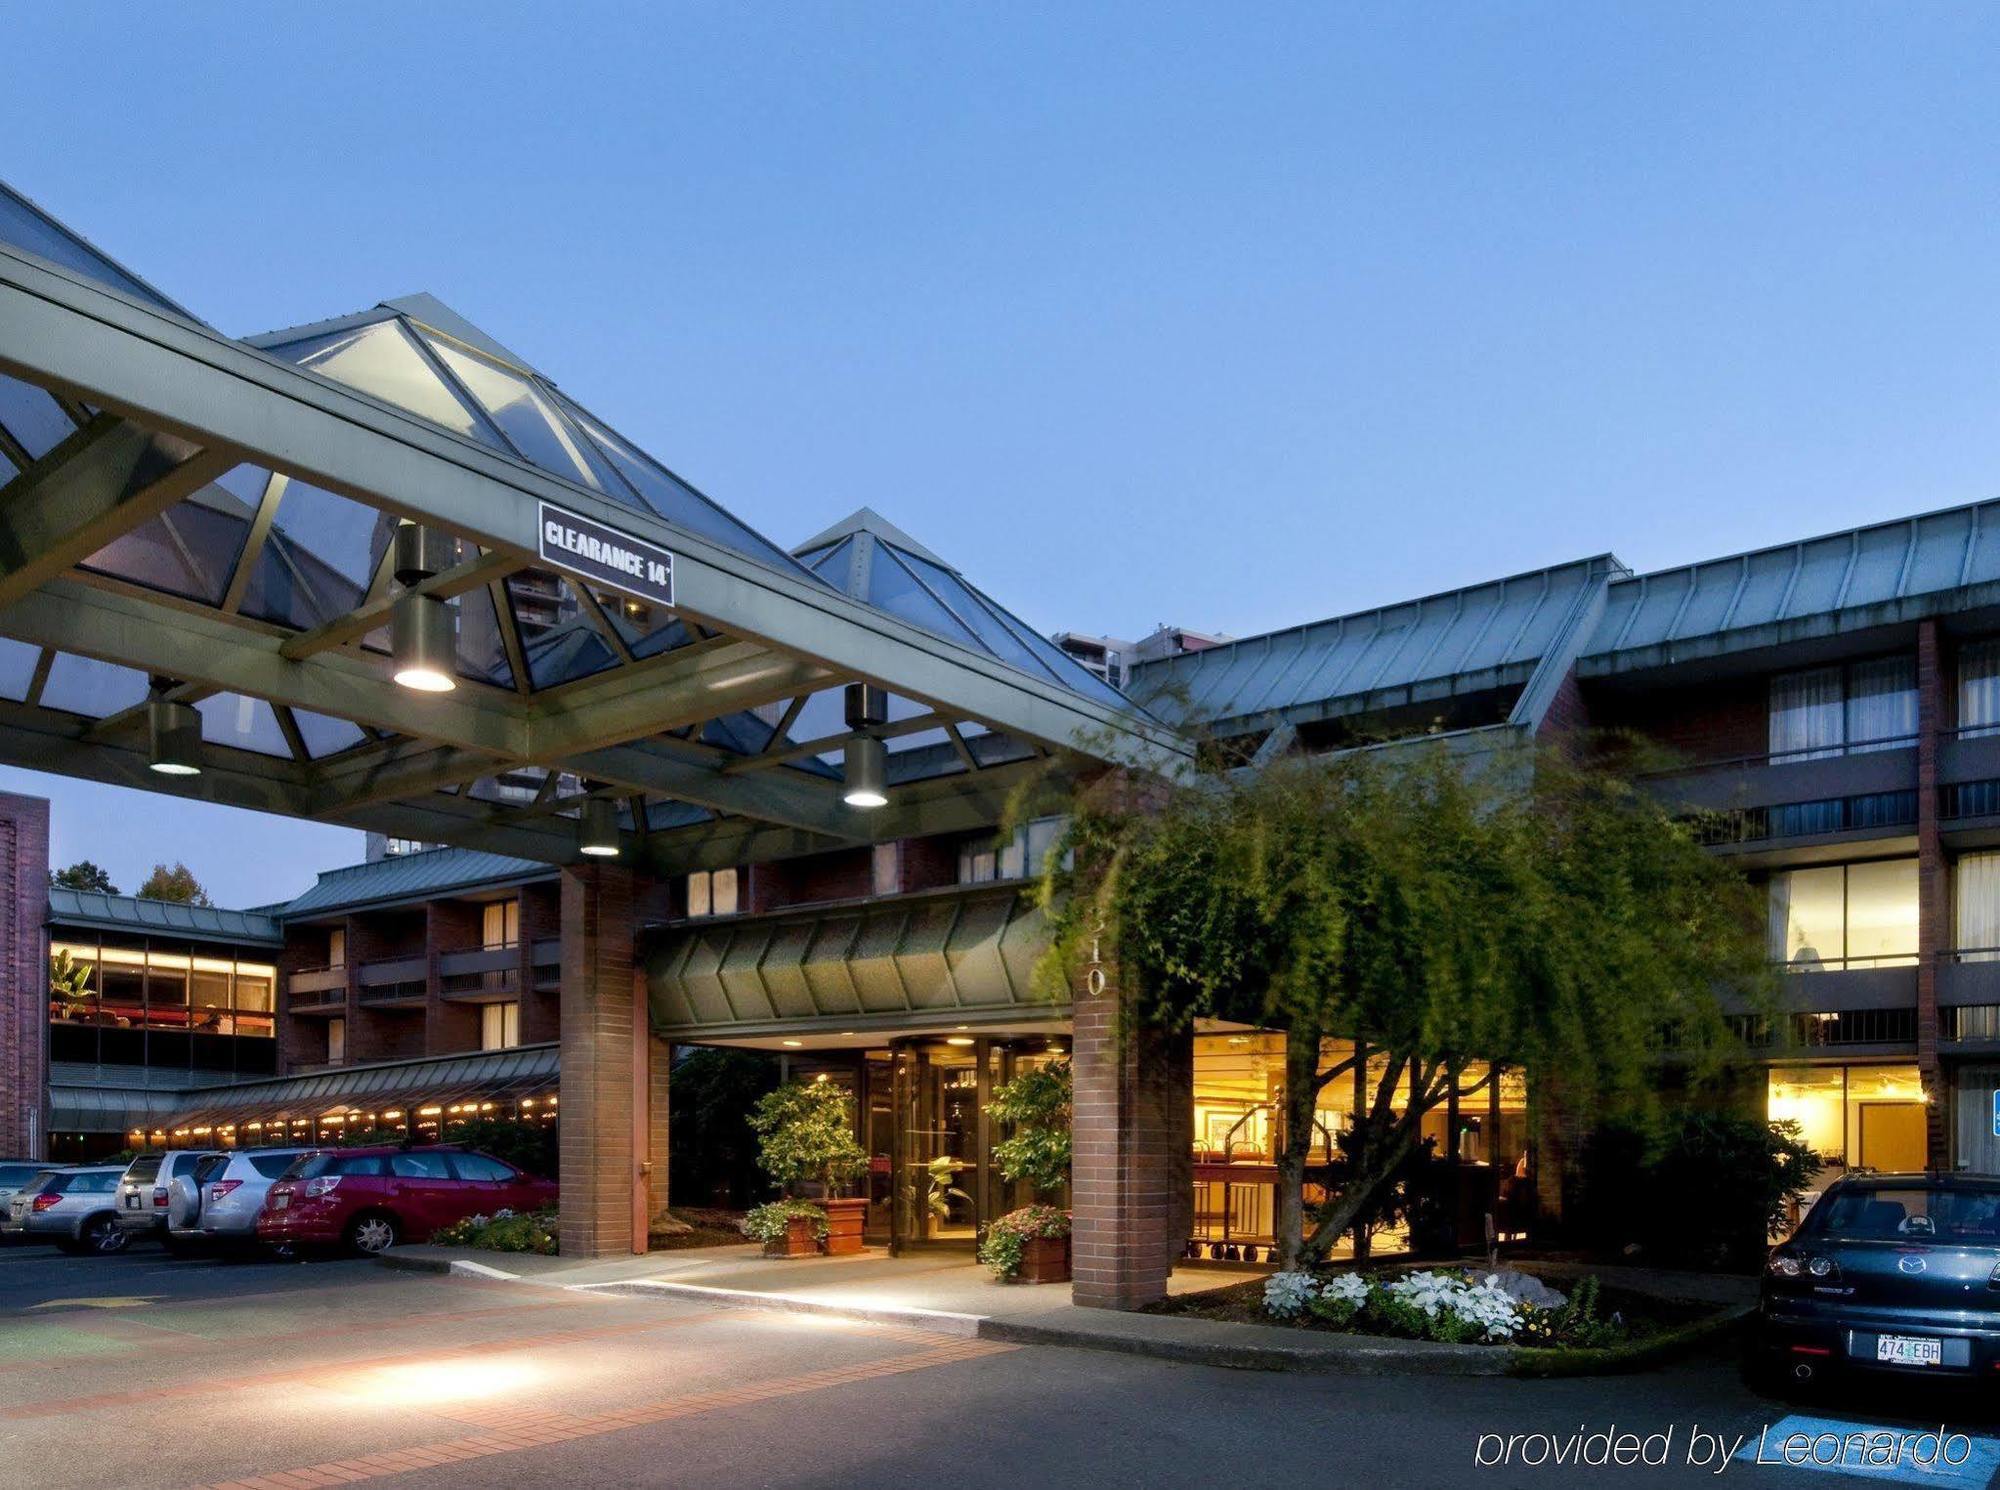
[{"x": 145, "y": 1369}]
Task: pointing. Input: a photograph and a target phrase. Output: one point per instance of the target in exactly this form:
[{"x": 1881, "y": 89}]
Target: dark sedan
[{"x": 1896, "y": 1273}]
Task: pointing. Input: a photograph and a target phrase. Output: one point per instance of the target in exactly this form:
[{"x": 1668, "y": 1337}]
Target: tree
[
  {"x": 84, "y": 875},
  {"x": 1037, "y": 1104},
  {"x": 1418, "y": 908},
  {"x": 177, "y": 884},
  {"x": 808, "y": 1134},
  {"x": 712, "y": 1158}
]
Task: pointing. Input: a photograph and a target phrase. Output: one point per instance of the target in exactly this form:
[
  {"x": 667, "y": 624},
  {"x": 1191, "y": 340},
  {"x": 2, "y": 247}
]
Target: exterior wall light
[
  {"x": 597, "y": 828},
  {"x": 174, "y": 736},
  {"x": 423, "y": 640},
  {"x": 866, "y": 763},
  {"x": 867, "y": 773}
]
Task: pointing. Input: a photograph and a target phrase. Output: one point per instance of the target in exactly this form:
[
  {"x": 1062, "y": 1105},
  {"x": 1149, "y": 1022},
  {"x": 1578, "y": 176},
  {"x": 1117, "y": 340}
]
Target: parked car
[
  {"x": 368, "y": 1199},
  {"x": 76, "y": 1208},
  {"x": 14, "y": 1173},
  {"x": 219, "y": 1200},
  {"x": 146, "y": 1186},
  {"x": 1892, "y": 1273}
]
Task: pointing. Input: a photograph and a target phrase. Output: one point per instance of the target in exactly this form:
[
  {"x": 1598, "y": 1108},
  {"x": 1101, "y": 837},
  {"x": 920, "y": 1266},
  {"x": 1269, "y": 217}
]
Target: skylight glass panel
[
  {"x": 674, "y": 499},
  {"x": 528, "y": 420},
  {"x": 832, "y": 564},
  {"x": 382, "y": 360},
  {"x": 191, "y": 549},
  {"x": 83, "y": 685},
  {"x": 35, "y": 420},
  {"x": 17, "y": 667},
  {"x": 894, "y": 589},
  {"x": 559, "y": 642},
  {"x": 242, "y": 722},
  {"x": 993, "y": 637},
  {"x": 326, "y": 735},
  {"x": 646, "y": 629},
  {"x": 318, "y": 559},
  {"x": 26, "y": 228},
  {"x": 482, "y": 651}
]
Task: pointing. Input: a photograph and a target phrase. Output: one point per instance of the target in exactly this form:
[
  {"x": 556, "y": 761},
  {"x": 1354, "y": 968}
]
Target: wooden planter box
[
  {"x": 844, "y": 1219},
  {"x": 1044, "y": 1259},
  {"x": 798, "y": 1240}
]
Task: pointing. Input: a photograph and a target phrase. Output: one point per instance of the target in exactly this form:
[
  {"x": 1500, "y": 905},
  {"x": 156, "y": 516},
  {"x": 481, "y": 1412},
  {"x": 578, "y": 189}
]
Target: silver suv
[
  {"x": 14, "y": 1173},
  {"x": 74, "y": 1208},
  {"x": 219, "y": 1200},
  {"x": 146, "y": 1185}
]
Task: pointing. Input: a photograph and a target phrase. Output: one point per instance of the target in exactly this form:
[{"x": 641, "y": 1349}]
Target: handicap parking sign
[{"x": 1996, "y": 1114}]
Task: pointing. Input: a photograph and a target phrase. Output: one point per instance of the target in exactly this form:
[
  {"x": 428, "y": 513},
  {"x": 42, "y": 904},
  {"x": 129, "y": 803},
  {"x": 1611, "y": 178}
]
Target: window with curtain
[
  {"x": 1979, "y": 688},
  {"x": 1843, "y": 709},
  {"x": 1807, "y": 720},
  {"x": 1844, "y": 915},
  {"x": 1881, "y": 703},
  {"x": 1976, "y": 907}
]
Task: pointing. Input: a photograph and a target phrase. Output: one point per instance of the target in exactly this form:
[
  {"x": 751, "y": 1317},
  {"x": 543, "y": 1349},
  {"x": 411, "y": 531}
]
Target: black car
[{"x": 1895, "y": 1273}]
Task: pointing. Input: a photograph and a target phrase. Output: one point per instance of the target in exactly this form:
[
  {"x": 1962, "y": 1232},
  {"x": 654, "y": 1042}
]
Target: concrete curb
[
  {"x": 938, "y": 1321},
  {"x": 1254, "y": 1347}
]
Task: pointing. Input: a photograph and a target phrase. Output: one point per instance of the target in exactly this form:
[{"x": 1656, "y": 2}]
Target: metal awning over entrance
[
  {"x": 190, "y": 519},
  {"x": 495, "y": 1075}
]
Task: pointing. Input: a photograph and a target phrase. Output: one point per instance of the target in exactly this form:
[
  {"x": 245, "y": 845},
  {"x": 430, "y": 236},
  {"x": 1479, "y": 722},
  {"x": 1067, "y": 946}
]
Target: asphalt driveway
[{"x": 141, "y": 1369}]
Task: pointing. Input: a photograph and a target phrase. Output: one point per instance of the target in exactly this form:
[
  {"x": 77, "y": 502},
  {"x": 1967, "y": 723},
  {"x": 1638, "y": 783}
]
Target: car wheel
[
  {"x": 371, "y": 1233},
  {"x": 104, "y": 1236}
]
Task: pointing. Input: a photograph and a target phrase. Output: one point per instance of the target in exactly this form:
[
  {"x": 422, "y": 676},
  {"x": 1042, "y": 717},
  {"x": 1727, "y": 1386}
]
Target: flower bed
[
  {"x": 504, "y": 1231},
  {"x": 1008, "y": 1237},
  {"x": 1453, "y": 1305}
]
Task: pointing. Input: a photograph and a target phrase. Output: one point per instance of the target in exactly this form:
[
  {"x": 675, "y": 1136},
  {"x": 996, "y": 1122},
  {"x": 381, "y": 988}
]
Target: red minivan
[{"x": 369, "y": 1199}]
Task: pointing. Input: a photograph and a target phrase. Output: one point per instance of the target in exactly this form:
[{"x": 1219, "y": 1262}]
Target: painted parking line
[{"x": 1910, "y": 1456}]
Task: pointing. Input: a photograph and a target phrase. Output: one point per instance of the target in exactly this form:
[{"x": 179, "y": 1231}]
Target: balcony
[
  {"x": 481, "y": 974},
  {"x": 547, "y": 964},
  {"x": 399, "y": 982},
  {"x": 316, "y": 988}
]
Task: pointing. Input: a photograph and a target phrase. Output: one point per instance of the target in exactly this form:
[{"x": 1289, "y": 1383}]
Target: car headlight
[{"x": 1783, "y": 1265}]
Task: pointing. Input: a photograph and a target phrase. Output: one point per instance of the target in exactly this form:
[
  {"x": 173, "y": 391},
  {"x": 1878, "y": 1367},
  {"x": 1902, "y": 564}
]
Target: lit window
[
  {"x": 336, "y": 1042},
  {"x": 336, "y": 947},
  {"x": 884, "y": 870},
  {"x": 712, "y": 892},
  {"x": 500, "y": 924},
  {"x": 499, "y": 1026},
  {"x": 1845, "y": 916}
]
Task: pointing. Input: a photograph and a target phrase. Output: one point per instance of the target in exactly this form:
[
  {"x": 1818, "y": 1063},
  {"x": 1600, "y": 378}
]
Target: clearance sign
[{"x": 606, "y": 555}]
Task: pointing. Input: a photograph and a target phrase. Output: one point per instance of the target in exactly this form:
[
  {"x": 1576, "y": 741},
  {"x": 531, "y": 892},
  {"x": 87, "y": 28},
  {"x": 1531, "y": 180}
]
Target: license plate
[
  {"x": 131, "y": 1202},
  {"x": 1904, "y": 1350},
  {"x": 279, "y": 1202}
]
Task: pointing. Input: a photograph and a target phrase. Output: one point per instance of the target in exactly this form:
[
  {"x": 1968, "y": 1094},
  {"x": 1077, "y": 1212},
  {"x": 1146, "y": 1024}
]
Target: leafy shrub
[
  {"x": 1703, "y": 1192},
  {"x": 504, "y": 1231},
  {"x": 1572, "y": 1324},
  {"x": 1037, "y": 1105},
  {"x": 769, "y": 1223},
  {"x": 1007, "y": 1238}
]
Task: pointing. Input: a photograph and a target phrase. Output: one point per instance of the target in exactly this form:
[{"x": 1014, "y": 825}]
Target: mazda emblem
[{"x": 1911, "y": 1264}]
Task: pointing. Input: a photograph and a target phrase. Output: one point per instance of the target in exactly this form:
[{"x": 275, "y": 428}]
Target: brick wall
[
  {"x": 24, "y": 973},
  {"x": 600, "y": 1007},
  {"x": 1724, "y": 720},
  {"x": 452, "y": 926},
  {"x": 376, "y": 1034},
  {"x": 846, "y": 874},
  {"x": 1131, "y": 1180},
  {"x": 541, "y": 919},
  {"x": 930, "y": 863},
  {"x": 1569, "y": 714}
]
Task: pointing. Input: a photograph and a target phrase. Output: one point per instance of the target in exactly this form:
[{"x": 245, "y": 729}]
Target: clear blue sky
[{"x": 1234, "y": 316}]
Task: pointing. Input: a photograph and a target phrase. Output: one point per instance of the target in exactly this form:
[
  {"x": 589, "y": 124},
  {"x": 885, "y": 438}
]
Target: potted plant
[
  {"x": 1032, "y": 1244},
  {"x": 806, "y": 1134},
  {"x": 787, "y": 1228}
]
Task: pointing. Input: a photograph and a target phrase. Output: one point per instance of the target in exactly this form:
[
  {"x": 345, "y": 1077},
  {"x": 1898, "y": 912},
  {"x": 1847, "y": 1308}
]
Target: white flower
[
  {"x": 1287, "y": 1294},
  {"x": 1345, "y": 1288},
  {"x": 1484, "y": 1306}
]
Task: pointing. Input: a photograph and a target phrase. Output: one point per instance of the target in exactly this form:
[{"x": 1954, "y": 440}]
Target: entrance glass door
[{"x": 942, "y": 1158}]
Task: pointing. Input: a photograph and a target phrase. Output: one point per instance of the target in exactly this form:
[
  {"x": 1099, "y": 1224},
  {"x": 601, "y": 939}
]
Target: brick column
[
  {"x": 1131, "y": 1180},
  {"x": 661, "y": 1055},
  {"x": 24, "y": 975},
  {"x": 1933, "y": 893},
  {"x": 600, "y": 1098}
]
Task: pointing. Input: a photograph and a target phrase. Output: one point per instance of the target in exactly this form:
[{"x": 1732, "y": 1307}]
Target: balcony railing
[
  {"x": 392, "y": 980},
  {"x": 481, "y": 971}
]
